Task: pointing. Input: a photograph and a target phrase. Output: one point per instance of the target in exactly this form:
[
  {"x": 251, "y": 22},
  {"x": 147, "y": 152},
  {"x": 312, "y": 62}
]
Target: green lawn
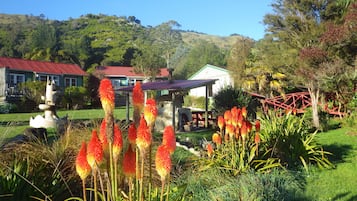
[
  {"x": 339, "y": 183},
  {"x": 15, "y": 123},
  {"x": 119, "y": 113}
]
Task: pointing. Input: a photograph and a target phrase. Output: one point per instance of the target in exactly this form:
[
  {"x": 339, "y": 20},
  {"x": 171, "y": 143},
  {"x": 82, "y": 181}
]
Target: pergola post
[
  {"x": 173, "y": 110},
  {"x": 206, "y": 108}
]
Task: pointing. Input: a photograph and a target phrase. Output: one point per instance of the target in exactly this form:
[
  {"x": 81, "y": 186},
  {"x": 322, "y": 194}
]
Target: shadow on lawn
[
  {"x": 345, "y": 196},
  {"x": 339, "y": 152}
]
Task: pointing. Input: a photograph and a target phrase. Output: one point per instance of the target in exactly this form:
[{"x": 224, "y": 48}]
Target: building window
[
  {"x": 54, "y": 78},
  {"x": 121, "y": 82},
  {"x": 70, "y": 82},
  {"x": 16, "y": 79}
]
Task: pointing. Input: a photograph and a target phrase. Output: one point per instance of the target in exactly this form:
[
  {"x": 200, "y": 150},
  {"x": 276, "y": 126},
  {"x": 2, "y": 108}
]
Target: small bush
[
  {"x": 75, "y": 97},
  {"x": 214, "y": 184},
  {"x": 7, "y": 108},
  {"x": 230, "y": 97},
  {"x": 289, "y": 139}
]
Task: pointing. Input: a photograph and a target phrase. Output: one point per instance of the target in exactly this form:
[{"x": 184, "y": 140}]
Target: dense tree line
[{"x": 93, "y": 40}]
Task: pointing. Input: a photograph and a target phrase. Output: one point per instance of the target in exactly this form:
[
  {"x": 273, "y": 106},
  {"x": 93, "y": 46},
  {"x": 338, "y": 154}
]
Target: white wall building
[{"x": 211, "y": 72}]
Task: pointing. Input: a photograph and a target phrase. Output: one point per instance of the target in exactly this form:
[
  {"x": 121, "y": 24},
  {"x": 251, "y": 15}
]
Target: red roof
[
  {"x": 41, "y": 66},
  {"x": 125, "y": 71}
]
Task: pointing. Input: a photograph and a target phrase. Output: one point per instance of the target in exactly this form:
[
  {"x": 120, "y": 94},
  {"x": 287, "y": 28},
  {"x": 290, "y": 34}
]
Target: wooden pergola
[{"x": 173, "y": 86}]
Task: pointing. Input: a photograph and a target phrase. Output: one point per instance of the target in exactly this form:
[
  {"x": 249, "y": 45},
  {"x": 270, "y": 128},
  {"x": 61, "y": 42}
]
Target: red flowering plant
[
  {"x": 235, "y": 146},
  {"x": 103, "y": 156}
]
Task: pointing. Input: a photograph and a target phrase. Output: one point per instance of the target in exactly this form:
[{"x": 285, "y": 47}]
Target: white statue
[{"x": 50, "y": 118}]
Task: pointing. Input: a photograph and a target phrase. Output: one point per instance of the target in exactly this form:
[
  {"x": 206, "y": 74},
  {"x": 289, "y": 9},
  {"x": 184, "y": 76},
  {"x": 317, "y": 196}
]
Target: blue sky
[{"x": 216, "y": 17}]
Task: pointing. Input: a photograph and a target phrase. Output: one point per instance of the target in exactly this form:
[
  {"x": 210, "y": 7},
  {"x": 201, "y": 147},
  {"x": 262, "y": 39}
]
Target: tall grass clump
[
  {"x": 40, "y": 170},
  {"x": 214, "y": 184},
  {"x": 288, "y": 138}
]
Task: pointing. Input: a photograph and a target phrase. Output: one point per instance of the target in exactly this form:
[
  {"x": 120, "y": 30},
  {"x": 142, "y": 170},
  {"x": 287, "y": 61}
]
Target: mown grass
[
  {"x": 119, "y": 113},
  {"x": 339, "y": 183},
  {"x": 15, "y": 123}
]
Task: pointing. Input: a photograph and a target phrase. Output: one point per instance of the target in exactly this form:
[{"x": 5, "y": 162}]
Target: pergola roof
[{"x": 171, "y": 85}]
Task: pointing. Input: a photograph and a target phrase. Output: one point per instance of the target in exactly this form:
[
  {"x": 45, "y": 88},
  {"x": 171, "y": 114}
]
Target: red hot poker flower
[
  {"x": 234, "y": 112},
  {"x": 216, "y": 138},
  {"x": 257, "y": 125},
  {"x": 117, "y": 142},
  {"x": 244, "y": 112},
  {"x": 169, "y": 139},
  {"x": 243, "y": 130},
  {"x": 132, "y": 134},
  {"x": 143, "y": 140},
  {"x": 249, "y": 126},
  {"x": 150, "y": 111},
  {"x": 94, "y": 150},
  {"x": 106, "y": 94},
  {"x": 228, "y": 116},
  {"x": 230, "y": 130},
  {"x": 220, "y": 122},
  {"x": 103, "y": 138},
  {"x": 82, "y": 167},
  {"x": 256, "y": 138},
  {"x": 129, "y": 162},
  {"x": 138, "y": 96},
  {"x": 163, "y": 162},
  {"x": 209, "y": 149}
]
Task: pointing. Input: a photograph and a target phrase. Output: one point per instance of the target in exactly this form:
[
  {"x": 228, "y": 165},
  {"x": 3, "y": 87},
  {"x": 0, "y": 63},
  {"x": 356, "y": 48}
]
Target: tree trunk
[{"x": 314, "y": 94}]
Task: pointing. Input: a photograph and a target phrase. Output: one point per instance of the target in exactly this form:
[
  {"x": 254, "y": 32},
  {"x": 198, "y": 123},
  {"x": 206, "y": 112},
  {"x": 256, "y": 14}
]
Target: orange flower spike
[
  {"x": 169, "y": 139},
  {"x": 94, "y": 150},
  {"x": 216, "y": 138},
  {"x": 82, "y": 167},
  {"x": 150, "y": 111},
  {"x": 234, "y": 112},
  {"x": 163, "y": 162},
  {"x": 209, "y": 149},
  {"x": 129, "y": 162},
  {"x": 138, "y": 96},
  {"x": 256, "y": 138},
  {"x": 220, "y": 122},
  {"x": 230, "y": 130},
  {"x": 257, "y": 125},
  {"x": 227, "y": 116},
  {"x": 249, "y": 126},
  {"x": 240, "y": 120},
  {"x": 117, "y": 142},
  {"x": 143, "y": 140},
  {"x": 243, "y": 130},
  {"x": 103, "y": 138},
  {"x": 132, "y": 134},
  {"x": 244, "y": 112},
  {"x": 107, "y": 96}
]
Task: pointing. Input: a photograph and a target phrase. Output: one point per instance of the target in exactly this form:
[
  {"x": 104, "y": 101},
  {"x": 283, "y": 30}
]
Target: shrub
[
  {"x": 213, "y": 184},
  {"x": 7, "y": 108},
  {"x": 229, "y": 97},
  {"x": 75, "y": 97},
  {"x": 288, "y": 138}
]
